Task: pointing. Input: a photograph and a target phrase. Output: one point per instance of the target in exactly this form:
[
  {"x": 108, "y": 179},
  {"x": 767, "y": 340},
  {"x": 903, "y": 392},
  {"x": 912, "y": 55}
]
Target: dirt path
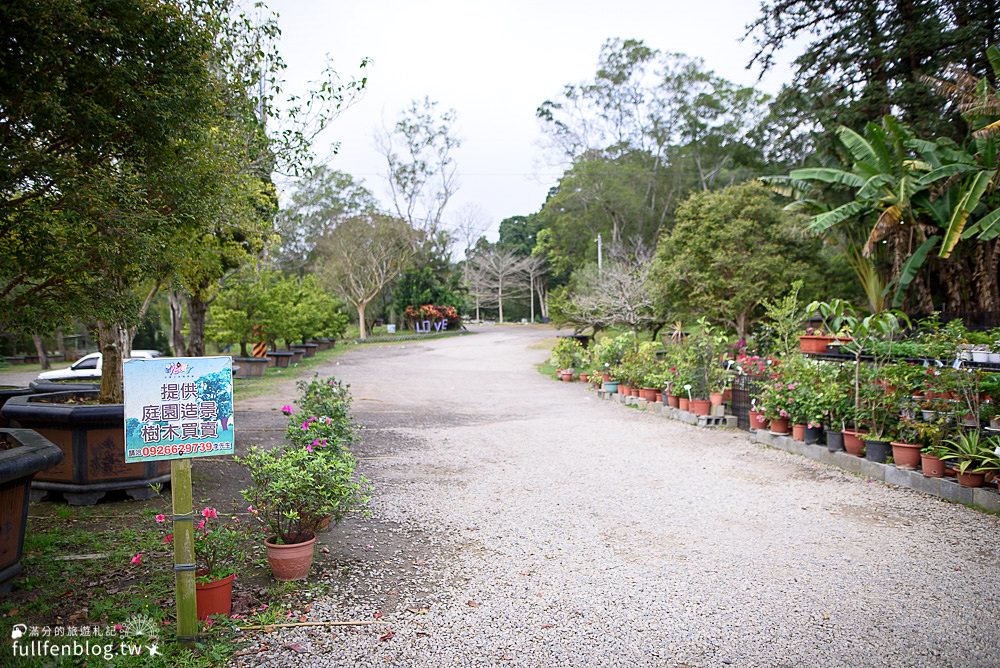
[{"x": 519, "y": 521}]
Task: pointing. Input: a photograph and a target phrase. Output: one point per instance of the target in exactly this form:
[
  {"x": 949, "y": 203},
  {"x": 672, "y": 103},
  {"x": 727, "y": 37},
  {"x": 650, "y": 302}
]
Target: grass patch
[
  {"x": 103, "y": 588},
  {"x": 547, "y": 368},
  {"x": 26, "y": 368},
  {"x": 245, "y": 388}
]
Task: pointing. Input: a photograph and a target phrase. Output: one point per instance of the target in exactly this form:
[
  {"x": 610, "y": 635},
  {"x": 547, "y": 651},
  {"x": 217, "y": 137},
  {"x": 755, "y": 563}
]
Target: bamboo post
[{"x": 184, "y": 564}]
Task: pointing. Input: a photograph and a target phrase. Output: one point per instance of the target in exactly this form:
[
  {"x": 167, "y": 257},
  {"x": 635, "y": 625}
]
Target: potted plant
[
  {"x": 293, "y": 492},
  {"x": 929, "y": 435},
  {"x": 906, "y": 445},
  {"x": 971, "y": 454},
  {"x": 775, "y": 402},
  {"x": 565, "y": 356},
  {"x": 218, "y": 552}
]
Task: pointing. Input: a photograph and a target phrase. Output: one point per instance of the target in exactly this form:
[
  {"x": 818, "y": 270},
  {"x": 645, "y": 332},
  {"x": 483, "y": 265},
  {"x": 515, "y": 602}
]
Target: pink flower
[
  {"x": 169, "y": 537},
  {"x": 201, "y": 525},
  {"x": 287, "y": 410},
  {"x": 791, "y": 386},
  {"x": 161, "y": 518},
  {"x": 250, "y": 509},
  {"x": 118, "y": 627},
  {"x": 209, "y": 512},
  {"x": 137, "y": 559},
  {"x": 309, "y": 447},
  {"x": 783, "y": 413}
]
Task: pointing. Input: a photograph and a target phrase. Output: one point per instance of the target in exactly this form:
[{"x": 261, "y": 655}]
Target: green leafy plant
[
  {"x": 219, "y": 546},
  {"x": 293, "y": 491},
  {"x": 970, "y": 451},
  {"x": 566, "y": 354}
]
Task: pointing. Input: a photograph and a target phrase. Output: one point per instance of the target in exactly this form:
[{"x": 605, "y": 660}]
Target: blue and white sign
[{"x": 178, "y": 407}]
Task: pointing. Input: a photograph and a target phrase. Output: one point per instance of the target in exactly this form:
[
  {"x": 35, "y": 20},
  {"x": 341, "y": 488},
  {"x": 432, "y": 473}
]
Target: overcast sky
[{"x": 494, "y": 63}]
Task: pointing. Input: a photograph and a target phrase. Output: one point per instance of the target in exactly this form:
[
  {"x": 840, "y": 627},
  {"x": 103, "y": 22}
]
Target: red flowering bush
[{"x": 433, "y": 313}]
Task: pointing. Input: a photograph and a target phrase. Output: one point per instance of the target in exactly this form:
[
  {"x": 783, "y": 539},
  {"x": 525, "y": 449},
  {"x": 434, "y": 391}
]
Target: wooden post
[{"x": 184, "y": 565}]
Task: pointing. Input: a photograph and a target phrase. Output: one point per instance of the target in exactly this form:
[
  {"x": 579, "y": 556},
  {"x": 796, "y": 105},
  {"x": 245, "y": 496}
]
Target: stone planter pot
[
  {"x": 834, "y": 441},
  {"x": 48, "y": 386},
  {"x": 282, "y": 359},
  {"x": 931, "y": 466},
  {"x": 906, "y": 455},
  {"x": 297, "y": 355},
  {"x": 700, "y": 406},
  {"x": 876, "y": 450},
  {"x": 251, "y": 367},
  {"x": 7, "y": 392},
  {"x": 308, "y": 349},
  {"x": 290, "y": 562},
  {"x": 23, "y": 454},
  {"x": 92, "y": 441}
]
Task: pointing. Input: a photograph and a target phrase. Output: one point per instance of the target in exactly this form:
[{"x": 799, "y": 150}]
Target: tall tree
[
  {"x": 864, "y": 59},
  {"x": 729, "y": 250},
  {"x": 362, "y": 256},
  {"x": 495, "y": 275}
]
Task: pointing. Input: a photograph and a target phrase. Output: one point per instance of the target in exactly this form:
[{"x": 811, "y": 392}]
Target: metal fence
[{"x": 745, "y": 389}]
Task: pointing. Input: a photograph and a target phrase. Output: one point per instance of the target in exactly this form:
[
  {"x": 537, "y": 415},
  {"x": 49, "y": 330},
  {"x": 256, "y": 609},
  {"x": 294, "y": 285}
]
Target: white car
[{"x": 88, "y": 367}]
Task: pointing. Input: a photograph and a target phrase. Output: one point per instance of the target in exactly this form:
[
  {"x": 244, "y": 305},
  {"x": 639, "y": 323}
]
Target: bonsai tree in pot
[{"x": 293, "y": 492}]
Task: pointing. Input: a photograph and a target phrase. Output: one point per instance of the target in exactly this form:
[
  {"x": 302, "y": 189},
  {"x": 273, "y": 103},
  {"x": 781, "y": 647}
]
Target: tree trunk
[
  {"x": 61, "y": 343},
  {"x": 742, "y": 325},
  {"x": 177, "y": 342},
  {"x": 362, "y": 332},
  {"x": 500, "y": 300},
  {"x": 243, "y": 349},
  {"x": 197, "y": 311},
  {"x": 115, "y": 343},
  {"x": 531, "y": 297},
  {"x": 40, "y": 351},
  {"x": 477, "y": 308},
  {"x": 543, "y": 306}
]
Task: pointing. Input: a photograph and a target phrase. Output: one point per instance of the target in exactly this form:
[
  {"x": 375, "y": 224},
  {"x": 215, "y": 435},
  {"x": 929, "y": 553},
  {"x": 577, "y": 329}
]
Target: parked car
[{"x": 88, "y": 367}]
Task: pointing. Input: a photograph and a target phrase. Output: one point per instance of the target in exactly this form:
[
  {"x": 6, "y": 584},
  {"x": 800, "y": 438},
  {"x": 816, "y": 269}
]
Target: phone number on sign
[{"x": 175, "y": 449}]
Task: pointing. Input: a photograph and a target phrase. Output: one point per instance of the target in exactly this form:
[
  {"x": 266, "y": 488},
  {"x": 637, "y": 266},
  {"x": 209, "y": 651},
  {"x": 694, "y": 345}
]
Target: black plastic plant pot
[
  {"x": 23, "y": 453},
  {"x": 813, "y": 435},
  {"x": 92, "y": 440},
  {"x": 877, "y": 451},
  {"x": 834, "y": 441}
]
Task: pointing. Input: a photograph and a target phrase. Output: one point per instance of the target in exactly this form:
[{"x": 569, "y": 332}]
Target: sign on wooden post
[{"x": 176, "y": 409}]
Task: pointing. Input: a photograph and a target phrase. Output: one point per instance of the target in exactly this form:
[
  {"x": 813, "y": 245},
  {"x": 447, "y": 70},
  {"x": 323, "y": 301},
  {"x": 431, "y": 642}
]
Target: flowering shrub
[
  {"x": 218, "y": 545},
  {"x": 754, "y": 365},
  {"x": 431, "y": 312},
  {"x": 324, "y": 413},
  {"x": 568, "y": 353},
  {"x": 775, "y": 400},
  {"x": 293, "y": 491}
]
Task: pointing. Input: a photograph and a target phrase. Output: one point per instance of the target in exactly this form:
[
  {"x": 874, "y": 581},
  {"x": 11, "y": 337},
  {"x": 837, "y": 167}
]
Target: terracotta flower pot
[
  {"x": 682, "y": 403},
  {"x": 931, "y": 466},
  {"x": 970, "y": 479},
  {"x": 715, "y": 398},
  {"x": 700, "y": 406},
  {"x": 290, "y": 562},
  {"x": 624, "y": 390},
  {"x": 584, "y": 377},
  {"x": 673, "y": 400},
  {"x": 727, "y": 396},
  {"x": 906, "y": 455},
  {"x": 214, "y": 598},
  {"x": 566, "y": 376},
  {"x": 757, "y": 421},
  {"x": 853, "y": 443},
  {"x": 779, "y": 426},
  {"x": 799, "y": 432},
  {"x": 659, "y": 398},
  {"x": 648, "y": 393}
]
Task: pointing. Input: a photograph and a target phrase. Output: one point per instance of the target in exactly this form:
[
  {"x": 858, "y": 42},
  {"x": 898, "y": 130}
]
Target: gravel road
[{"x": 521, "y": 522}]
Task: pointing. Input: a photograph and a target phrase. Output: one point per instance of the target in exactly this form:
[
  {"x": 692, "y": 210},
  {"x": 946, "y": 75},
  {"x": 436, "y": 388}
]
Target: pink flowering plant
[
  {"x": 776, "y": 400},
  {"x": 219, "y": 545},
  {"x": 314, "y": 433}
]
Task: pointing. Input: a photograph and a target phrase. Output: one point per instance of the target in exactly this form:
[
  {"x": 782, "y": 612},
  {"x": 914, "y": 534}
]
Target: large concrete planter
[
  {"x": 251, "y": 367},
  {"x": 47, "y": 386},
  {"x": 280, "y": 358},
  {"x": 23, "y": 453},
  {"x": 8, "y": 392},
  {"x": 308, "y": 349},
  {"x": 92, "y": 440}
]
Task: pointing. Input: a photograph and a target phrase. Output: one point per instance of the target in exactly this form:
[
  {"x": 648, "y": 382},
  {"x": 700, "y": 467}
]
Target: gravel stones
[{"x": 544, "y": 527}]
